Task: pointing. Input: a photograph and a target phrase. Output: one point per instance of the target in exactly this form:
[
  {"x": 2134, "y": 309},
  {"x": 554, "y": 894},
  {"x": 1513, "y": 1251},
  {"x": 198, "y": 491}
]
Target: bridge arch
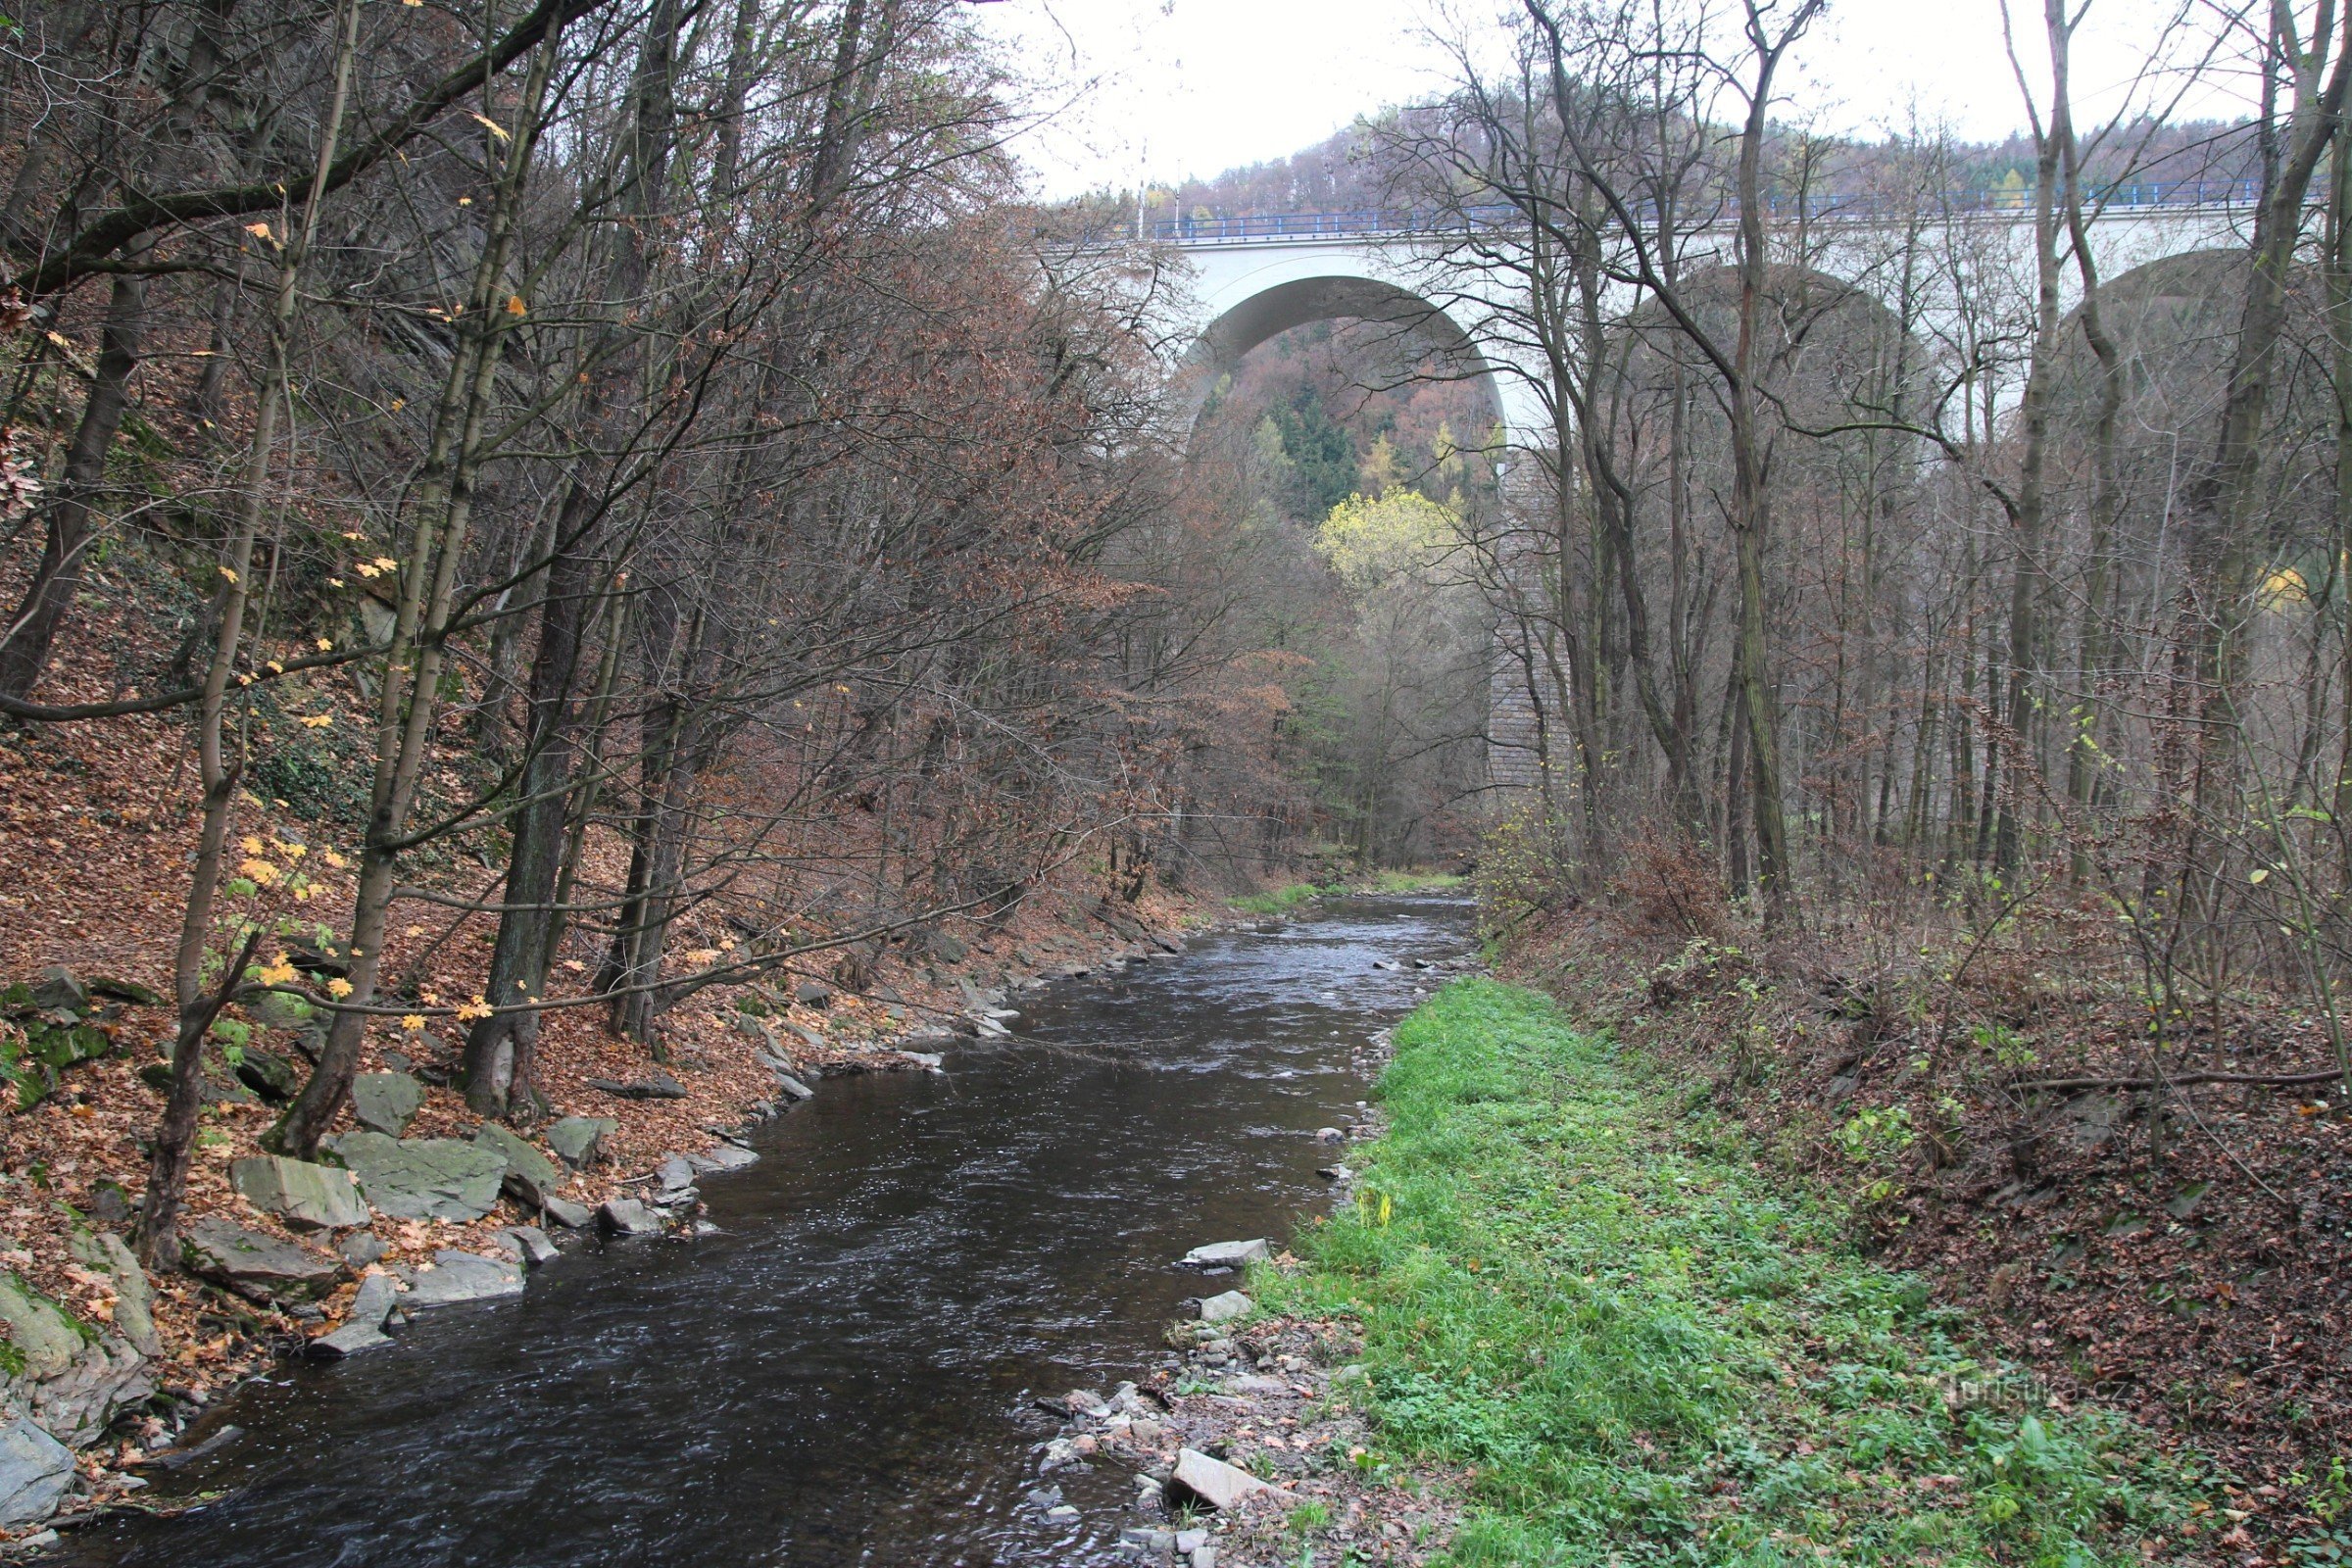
[{"x": 1248, "y": 298}]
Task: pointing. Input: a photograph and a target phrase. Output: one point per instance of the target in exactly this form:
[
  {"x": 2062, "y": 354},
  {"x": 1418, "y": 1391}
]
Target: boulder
[
  {"x": 423, "y": 1178},
  {"x": 254, "y": 1265},
  {"x": 1219, "y": 1485},
  {"x": 725, "y": 1156},
  {"x": 374, "y": 1302},
  {"x": 793, "y": 1088},
  {"x": 576, "y": 1140},
  {"x": 1227, "y": 1254},
  {"x": 677, "y": 1173},
  {"x": 268, "y": 1074},
  {"x": 812, "y": 994},
  {"x": 116, "y": 989},
  {"x": 386, "y": 1101},
  {"x": 307, "y": 1196},
  {"x": 1226, "y": 1308},
  {"x": 57, "y": 988},
  {"x": 655, "y": 1085},
  {"x": 37, "y": 1471},
  {"x": 626, "y": 1216},
  {"x": 360, "y": 1249},
  {"x": 569, "y": 1214},
  {"x": 531, "y": 1177},
  {"x": 349, "y": 1340},
  {"x": 456, "y": 1278}
]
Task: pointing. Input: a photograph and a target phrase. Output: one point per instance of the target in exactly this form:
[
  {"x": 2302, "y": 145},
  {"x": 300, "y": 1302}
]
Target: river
[{"x": 844, "y": 1373}]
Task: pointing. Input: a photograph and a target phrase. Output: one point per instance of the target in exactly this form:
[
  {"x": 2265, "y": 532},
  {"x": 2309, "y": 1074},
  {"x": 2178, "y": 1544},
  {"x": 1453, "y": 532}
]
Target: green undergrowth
[
  {"x": 1280, "y": 901},
  {"x": 1576, "y": 1287}
]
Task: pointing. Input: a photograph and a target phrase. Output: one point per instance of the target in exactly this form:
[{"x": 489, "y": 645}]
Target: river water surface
[{"x": 843, "y": 1374}]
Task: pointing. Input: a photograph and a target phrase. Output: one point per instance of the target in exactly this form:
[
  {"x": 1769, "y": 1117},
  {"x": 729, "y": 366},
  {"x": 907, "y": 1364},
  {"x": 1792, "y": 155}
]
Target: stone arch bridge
[{"x": 1256, "y": 277}]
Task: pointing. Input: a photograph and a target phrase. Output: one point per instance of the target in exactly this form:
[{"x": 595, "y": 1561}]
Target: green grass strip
[{"x": 1574, "y": 1279}]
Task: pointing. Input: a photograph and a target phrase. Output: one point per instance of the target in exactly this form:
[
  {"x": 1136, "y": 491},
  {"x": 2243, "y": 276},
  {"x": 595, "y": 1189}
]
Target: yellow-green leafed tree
[{"x": 1373, "y": 542}]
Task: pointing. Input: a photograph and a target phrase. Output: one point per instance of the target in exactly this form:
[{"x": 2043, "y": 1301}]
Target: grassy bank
[
  {"x": 1283, "y": 899},
  {"x": 1576, "y": 1287}
]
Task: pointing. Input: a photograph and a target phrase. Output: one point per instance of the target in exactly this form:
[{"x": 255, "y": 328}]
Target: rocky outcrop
[
  {"x": 37, "y": 1471},
  {"x": 456, "y": 1278},
  {"x": 386, "y": 1101},
  {"x": 531, "y": 1177},
  {"x": 577, "y": 1140},
  {"x": 256, "y": 1265},
  {"x": 68, "y": 1375},
  {"x": 305, "y": 1197},
  {"x": 423, "y": 1178},
  {"x": 655, "y": 1085}
]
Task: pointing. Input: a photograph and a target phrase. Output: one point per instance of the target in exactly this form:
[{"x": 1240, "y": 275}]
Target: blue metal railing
[{"x": 1278, "y": 227}]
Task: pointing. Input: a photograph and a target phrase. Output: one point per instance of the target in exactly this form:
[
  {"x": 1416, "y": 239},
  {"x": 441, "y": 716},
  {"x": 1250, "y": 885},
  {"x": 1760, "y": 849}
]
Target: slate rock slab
[
  {"x": 456, "y": 1278},
  {"x": 44, "y": 1334},
  {"x": 576, "y": 1140},
  {"x": 531, "y": 1177},
  {"x": 249, "y": 1260},
  {"x": 569, "y": 1214},
  {"x": 423, "y": 1178},
  {"x": 349, "y": 1340},
  {"x": 307, "y": 1196},
  {"x": 626, "y": 1216},
  {"x": 725, "y": 1156},
  {"x": 37, "y": 1471},
  {"x": 386, "y": 1101},
  {"x": 134, "y": 1296}
]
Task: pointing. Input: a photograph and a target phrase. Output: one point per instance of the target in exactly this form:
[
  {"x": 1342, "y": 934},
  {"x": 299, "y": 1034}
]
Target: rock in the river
[
  {"x": 626, "y": 1216},
  {"x": 1219, "y": 1485},
  {"x": 307, "y": 1196},
  {"x": 723, "y": 1157},
  {"x": 374, "y": 1302},
  {"x": 655, "y": 1085},
  {"x": 37, "y": 1471},
  {"x": 459, "y": 1277},
  {"x": 253, "y": 1263},
  {"x": 1334, "y": 1173},
  {"x": 676, "y": 1173},
  {"x": 386, "y": 1101},
  {"x": 423, "y": 1178},
  {"x": 1226, "y": 1308},
  {"x": 1227, "y": 1254},
  {"x": 534, "y": 1243},
  {"x": 531, "y": 1177},
  {"x": 1389, "y": 964},
  {"x": 576, "y": 1140},
  {"x": 348, "y": 1340},
  {"x": 569, "y": 1214},
  {"x": 793, "y": 1088}
]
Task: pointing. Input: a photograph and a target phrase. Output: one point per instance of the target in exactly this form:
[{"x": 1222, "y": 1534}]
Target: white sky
[{"x": 1167, "y": 89}]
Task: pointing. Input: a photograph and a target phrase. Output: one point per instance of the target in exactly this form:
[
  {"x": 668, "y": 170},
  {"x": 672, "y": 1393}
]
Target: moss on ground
[{"x": 1575, "y": 1283}]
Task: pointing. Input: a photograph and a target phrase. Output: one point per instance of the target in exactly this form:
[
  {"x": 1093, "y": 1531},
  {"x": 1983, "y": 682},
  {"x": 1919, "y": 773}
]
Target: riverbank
[{"x": 1568, "y": 1318}]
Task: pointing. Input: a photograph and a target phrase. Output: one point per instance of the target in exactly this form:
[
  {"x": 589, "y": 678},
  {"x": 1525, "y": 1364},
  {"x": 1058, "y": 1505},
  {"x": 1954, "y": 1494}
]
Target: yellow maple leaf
[{"x": 338, "y": 988}]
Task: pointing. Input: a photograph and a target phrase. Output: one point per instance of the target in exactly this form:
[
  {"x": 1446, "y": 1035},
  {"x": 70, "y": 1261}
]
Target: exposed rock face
[
  {"x": 134, "y": 1297},
  {"x": 386, "y": 1101},
  {"x": 364, "y": 1330},
  {"x": 307, "y": 1196},
  {"x": 258, "y": 1265},
  {"x": 37, "y": 1471},
  {"x": 68, "y": 1375},
  {"x": 577, "y": 1139},
  {"x": 531, "y": 1177},
  {"x": 424, "y": 1178},
  {"x": 725, "y": 1156},
  {"x": 569, "y": 1214},
  {"x": 459, "y": 1277}
]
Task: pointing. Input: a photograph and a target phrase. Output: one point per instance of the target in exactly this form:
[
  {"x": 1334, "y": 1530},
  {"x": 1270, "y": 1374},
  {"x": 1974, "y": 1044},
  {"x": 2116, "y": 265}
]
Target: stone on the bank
[
  {"x": 268, "y": 1074},
  {"x": 307, "y": 1196},
  {"x": 134, "y": 1297},
  {"x": 1228, "y": 1254},
  {"x": 43, "y": 1333},
  {"x": 812, "y": 994},
  {"x": 386, "y": 1101},
  {"x": 374, "y": 1302},
  {"x": 723, "y": 1157},
  {"x": 456, "y": 1278},
  {"x": 576, "y": 1140},
  {"x": 360, "y": 1249},
  {"x": 252, "y": 1263},
  {"x": 655, "y": 1085},
  {"x": 1221, "y": 1486},
  {"x": 626, "y": 1216},
  {"x": 533, "y": 1243},
  {"x": 531, "y": 1177},
  {"x": 569, "y": 1214},
  {"x": 37, "y": 1471},
  {"x": 1330, "y": 1135},
  {"x": 423, "y": 1178},
  {"x": 1224, "y": 1309},
  {"x": 792, "y": 1088},
  {"x": 676, "y": 1173}
]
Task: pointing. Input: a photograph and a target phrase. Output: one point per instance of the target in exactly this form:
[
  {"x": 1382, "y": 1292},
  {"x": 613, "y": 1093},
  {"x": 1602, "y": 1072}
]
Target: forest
[{"x": 572, "y": 567}]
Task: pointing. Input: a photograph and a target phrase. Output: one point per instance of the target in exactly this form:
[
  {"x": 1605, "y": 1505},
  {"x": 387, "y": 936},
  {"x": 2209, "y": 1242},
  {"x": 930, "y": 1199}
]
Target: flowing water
[{"x": 844, "y": 1373}]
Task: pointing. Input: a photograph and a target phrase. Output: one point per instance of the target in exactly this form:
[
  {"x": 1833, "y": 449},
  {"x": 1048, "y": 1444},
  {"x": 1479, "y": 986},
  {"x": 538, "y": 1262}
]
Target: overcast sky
[{"x": 1166, "y": 89}]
